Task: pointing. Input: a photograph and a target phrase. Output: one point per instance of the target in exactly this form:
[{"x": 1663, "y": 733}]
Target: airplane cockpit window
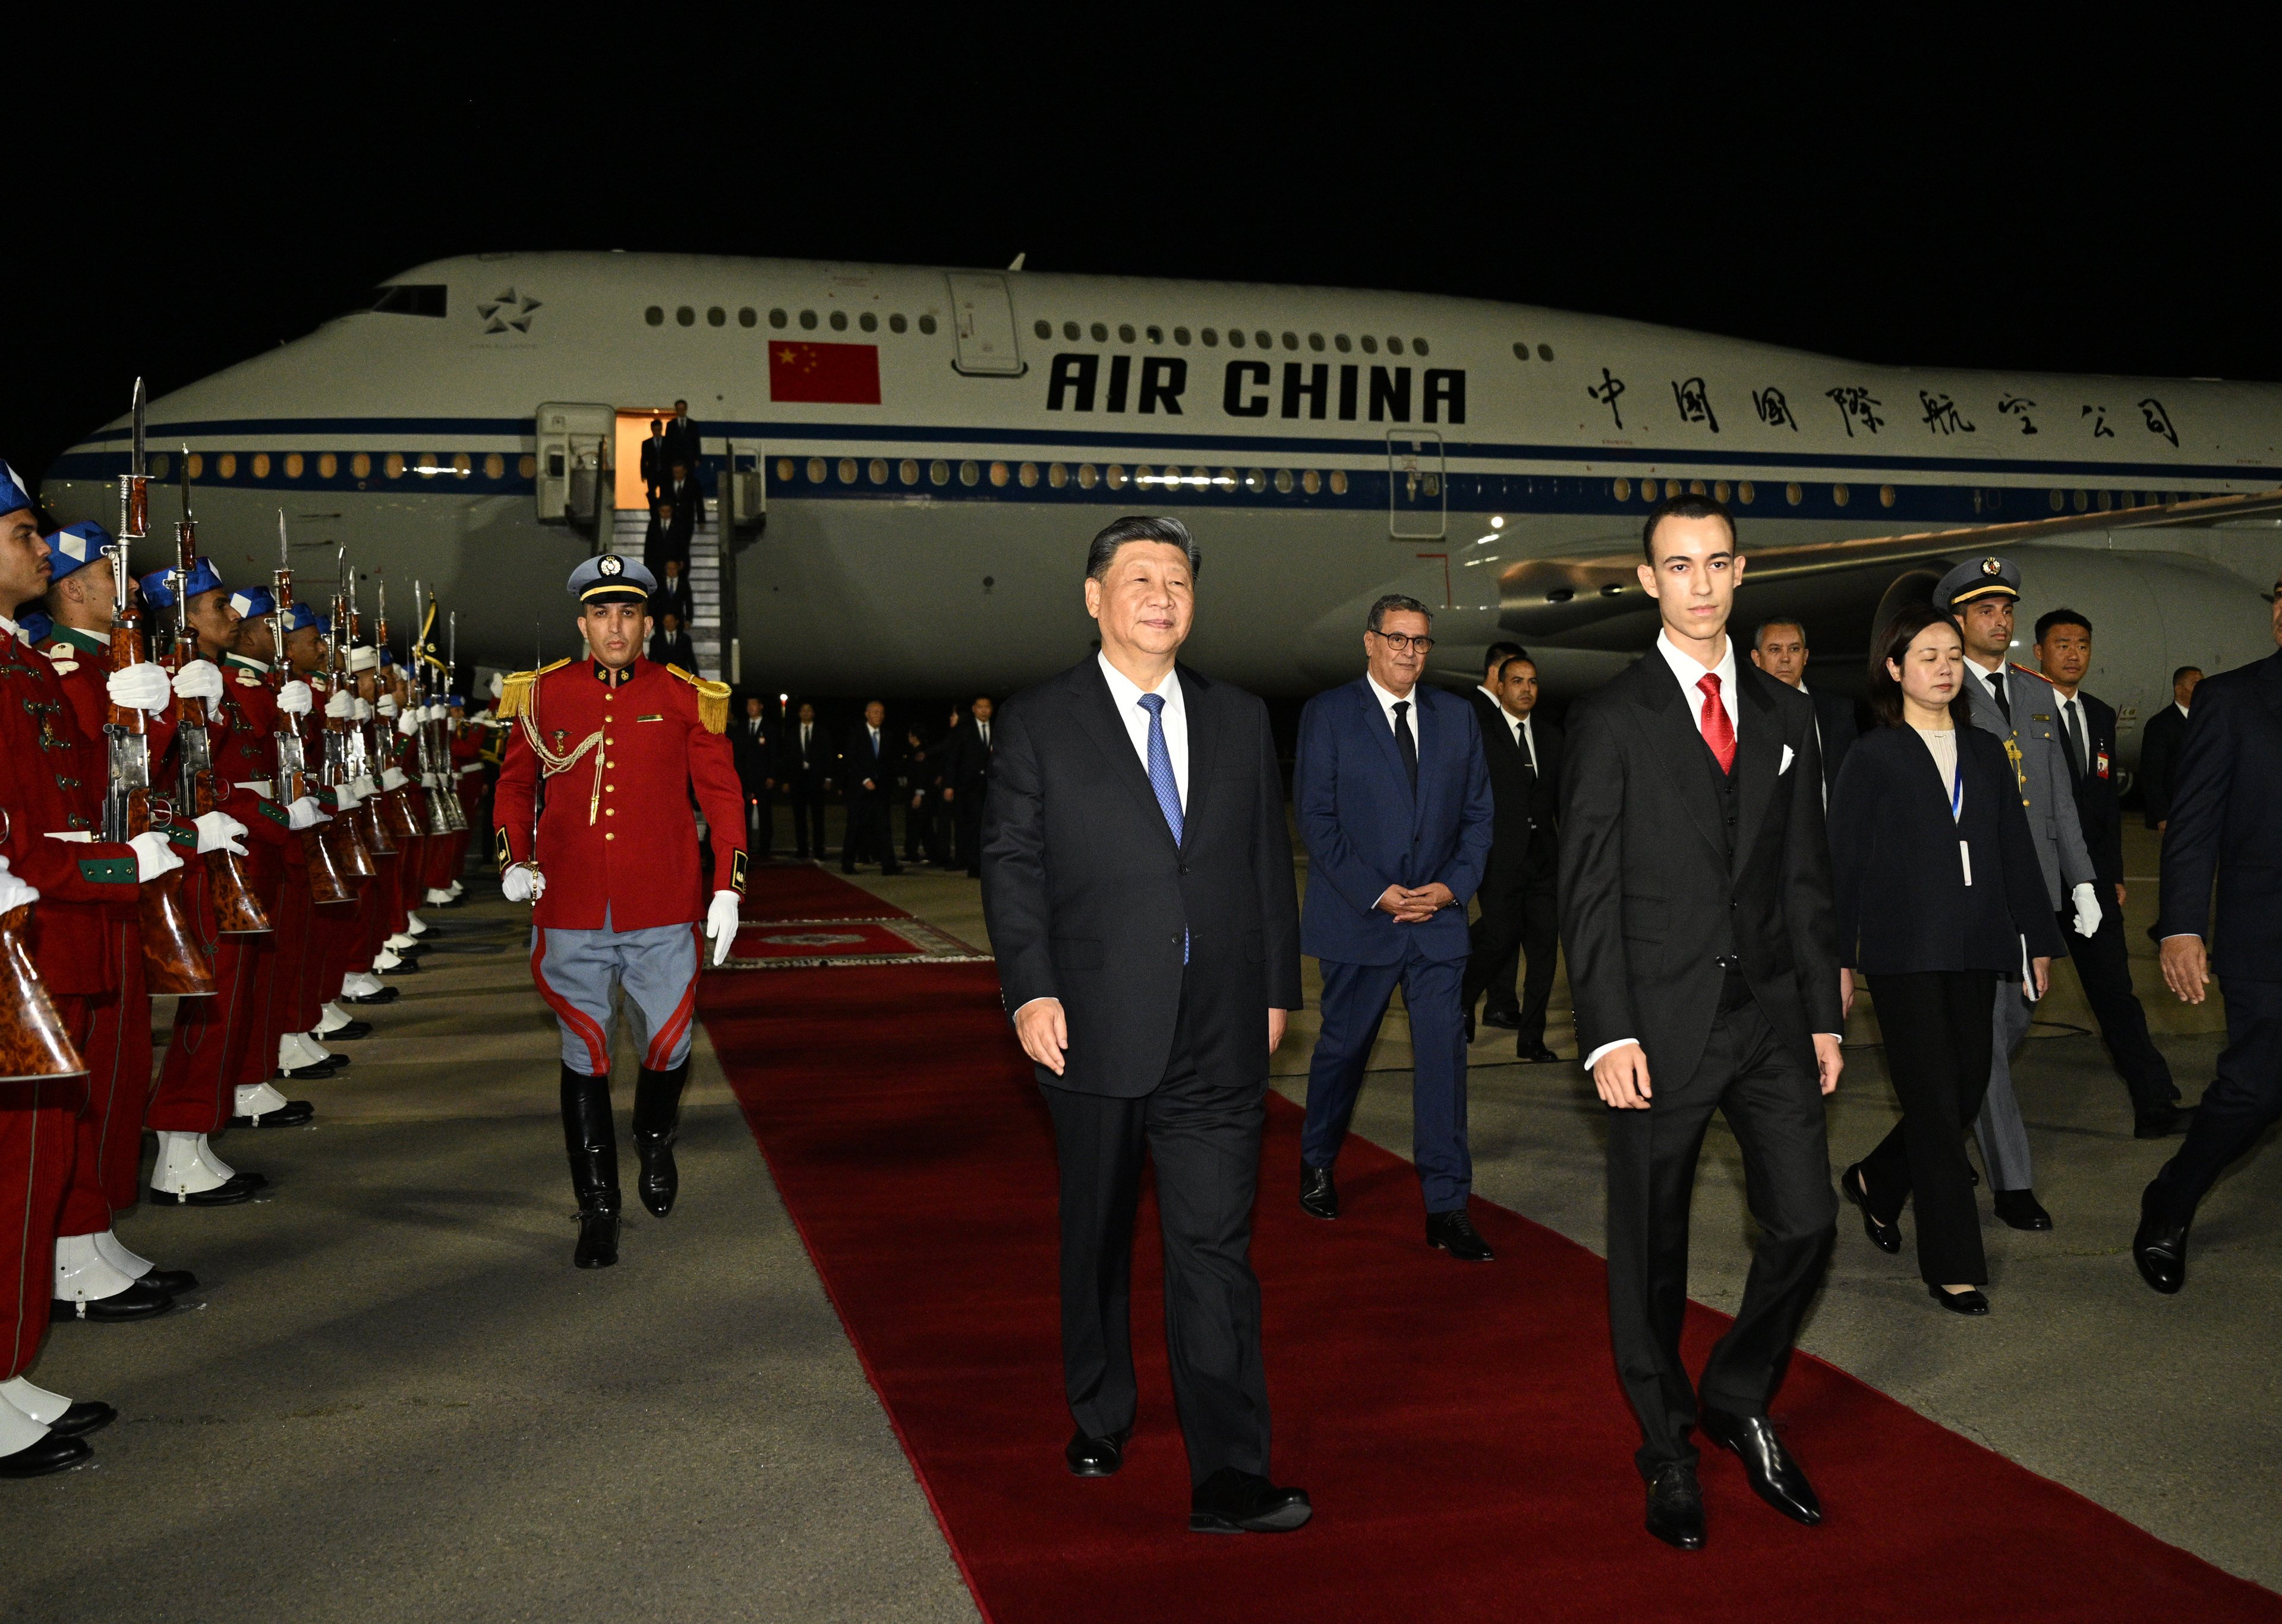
[{"x": 409, "y": 299}]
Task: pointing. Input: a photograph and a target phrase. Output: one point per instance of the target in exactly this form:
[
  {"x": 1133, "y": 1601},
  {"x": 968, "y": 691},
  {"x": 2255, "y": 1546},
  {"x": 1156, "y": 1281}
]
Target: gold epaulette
[
  {"x": 515, "y": 693},
  {"x": 712, "y": 700}
]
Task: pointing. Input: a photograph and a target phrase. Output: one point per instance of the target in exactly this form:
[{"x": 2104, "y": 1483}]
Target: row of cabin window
[
  {"x": 1261, "y": 338},
  {"x": 866, "y": 321},
  {"x": 293, "y": 464},
  {"x": 1841, "y": 495},
  {"x": 1056, "y": 476}
]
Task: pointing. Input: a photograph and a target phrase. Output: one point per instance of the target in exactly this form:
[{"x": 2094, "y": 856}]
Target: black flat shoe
[
  {"x": 1534, "y": 1054},
  {"x": 1855, "y": 1186},
  {"x": 1319, "y": 1197},
  {"x": 238, "y": 1189},
  {"x": 139, "y": 1301},
  {"x": 1675, "y": 1507},
  {"x": 1504, "y": 1020},
  {"x": 386, "y": 995},
  {"x": 2160, "y": 1246},
  {"x": 350, "y": 1033},
  {"x": 1773, "y": 1475},
  {"x": 173, "y": 1282},
  {"x": 90, "y": 1415},
  {"x": 1454, "y": 1232},
  {"x": 402, "y": 967},
  {"x": 338, "y": 1063},
  {"x": 51, "y": 1454},
  {"x": 1096, "y": 1457},
  {"x": 2021, "y": 1209},
  {"x": 292, "y": 1114},
  {"x": 2161, "y": 1122},
  {"x": 1968, "y": 1302},
  {"x": 302, "y": 1074},
  {"x": 1233, "y": 1501}
]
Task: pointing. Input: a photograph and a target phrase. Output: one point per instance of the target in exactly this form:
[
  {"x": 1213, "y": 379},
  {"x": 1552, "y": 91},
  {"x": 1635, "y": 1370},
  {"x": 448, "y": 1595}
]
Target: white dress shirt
[
  {"x": 1524, "y": 731},
  {"x": 2073, "y": 708},
  {"x": 1386, "y": 704},
  {"x": 1126, "y": 694}
]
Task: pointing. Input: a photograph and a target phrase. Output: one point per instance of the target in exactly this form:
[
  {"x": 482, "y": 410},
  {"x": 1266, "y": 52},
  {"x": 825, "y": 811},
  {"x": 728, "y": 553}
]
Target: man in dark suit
[
  {"x": 750, "y": 745},
  {"x": 804, "y": 767},
  {"x": 670, "y": 645},
  {"x": 672, "y": 595},
  {"x": 1501, "y": 1006},
  {"x": 2159, "y": 746},
  {"x": 2103, "y": 963},
  {"x": 1136, "y": 884},
  {"x": 654, "y": 460},
  {"x": 2225, "y": 826},
  {"x": 681, "y": 503},
  {"x": 1519, "y": 897},
  {"x": 1778, "y": 648},
  {"x": 868, "y": 767},
  {"x": 967, "y": 780},
  {"x": 683, "y": 443},
  {"x": 1393, "y": 801},
  {"x": 1696, "y": 912}
]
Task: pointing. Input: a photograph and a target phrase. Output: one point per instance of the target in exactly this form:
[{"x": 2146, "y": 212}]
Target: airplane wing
[{"x": 1546, "y": 597}]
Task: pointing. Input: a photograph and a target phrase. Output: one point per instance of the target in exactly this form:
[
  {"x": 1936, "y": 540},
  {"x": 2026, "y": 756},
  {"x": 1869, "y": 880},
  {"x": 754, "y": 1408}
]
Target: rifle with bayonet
[
  {"x": 172, "y": 963},
  {"x": 395, "y": 804},
  {"x": 328, "y": 882},
  {"x": 423, "y": 682},
  {"x": 343, "y": 833},
  {"x": 372, "y": 829},
  {"x": 237, "y": 911},
  {"x": 455, "y": 807}
]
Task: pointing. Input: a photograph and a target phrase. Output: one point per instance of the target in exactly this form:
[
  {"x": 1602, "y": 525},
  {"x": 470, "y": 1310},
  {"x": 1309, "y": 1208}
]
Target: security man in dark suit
[
  {"x": 1697, "y": 914},
  {"x": 681, "y": 503},
  {"x": 806, "y": 760},
  {"x": 1778, "y": 648},
  {"x": 2159, "y": 746},
  {"x": 654, "y": 460},
  {"x": 967, "y": 780},
  {"x": 1136, "y": 880},
  {"x": 683, "y": 443},
  {"x": 2063, "y": 649},
  {"x": 868, "y": 767},
  {"x": 1501, "y": 1006},
  {"x": 2225, "y": 827},
  {"x": 1520, "y": 905},
  {"x": 750, "y": 737}
]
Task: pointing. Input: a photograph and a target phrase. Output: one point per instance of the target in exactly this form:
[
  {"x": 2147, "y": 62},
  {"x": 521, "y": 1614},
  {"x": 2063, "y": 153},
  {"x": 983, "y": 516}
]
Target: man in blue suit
[{"x": 1393, "y": 797}]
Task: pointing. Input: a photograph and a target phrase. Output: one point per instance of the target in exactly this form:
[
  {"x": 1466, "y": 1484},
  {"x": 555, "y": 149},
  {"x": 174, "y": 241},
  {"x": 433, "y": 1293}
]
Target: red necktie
[{"x": 1718, "y": 731}]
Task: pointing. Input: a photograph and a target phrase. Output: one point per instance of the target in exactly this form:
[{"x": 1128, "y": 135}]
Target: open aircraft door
[
  {"x": 983, "y": 315},
  {"x": 574, "y": 463},
  {"x": 1415, "y": 505}
]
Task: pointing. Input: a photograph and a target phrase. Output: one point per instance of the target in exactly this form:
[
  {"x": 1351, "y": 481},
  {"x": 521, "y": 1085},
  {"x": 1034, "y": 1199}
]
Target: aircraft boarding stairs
[{"x": 629, "y": 526}]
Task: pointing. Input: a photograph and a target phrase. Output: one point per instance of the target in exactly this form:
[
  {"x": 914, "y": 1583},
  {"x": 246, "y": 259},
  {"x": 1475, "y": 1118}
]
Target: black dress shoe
[
  {"x": 1233, "y": 1501},
  {"x": 350, "y": 1033},
  {"x": 1968, "y": 1302},
  {"x": 386, "y": 995},
  {"x": 1454, "y": 1233},
  {"x": 402, "y": 967},
  {"x": 2020, "y": 1208},
  {"x": 2160, "y": 1246},
  {"x": 241, "y": 1188},
  {"x": 1773, "y": 1475},
  {"x": 1096, "y": 1457},
  {"x": 1319, "y": 1197},
  {"x": 1504, "y": 1020},
  {"x": 292, "y": 1114},
  {"x": 1855, "y": 1186},
  {"x": 139, "y": 1301},
  {"x": 90, "y": 1415},
  {"x": 303, "y": 1074},
  {"x": 173, "y": 1282},
  {"x": 1675, "y": 1507},
  {"x": 51, "y": 1454},
  {"x": 1534, "y": 1054},
  {"x": 2159, "y": 1122},
  {"x": 338, "y": 1063}
]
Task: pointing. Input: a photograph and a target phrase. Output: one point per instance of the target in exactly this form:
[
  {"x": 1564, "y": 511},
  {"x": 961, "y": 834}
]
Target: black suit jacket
[
  {"x": 2226, "y": 822},
  {"x": 966, "y": 759},
  {"x": 655, "y": 470},
  {"x": 1902, "y": 903},
  {"x": 688, "y": 500},
  {"x": 673, "y": 599},
  {"x": 1834, "y": 715},
  {"x": 1527, "y": 826},
  {"x": 805, "y": 770},
  {"x": 1088, "y": 900},
  {"x": 2097, "y": 807},
  {"x": 683, "y": 444},
  {"x": 673, "y": 648},
  {"x": 1652, "y": 887},
  {"x": 859, "y": 761},
  {"x": 755, "y": 757},
  {"x": 2159, "y": 756}
]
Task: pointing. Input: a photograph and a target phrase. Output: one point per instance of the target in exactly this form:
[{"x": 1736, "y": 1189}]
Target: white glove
[
  {"x": 218, "y": 831},
  {"x": 198, "y": 680},
  {"x": 364, "y": 786},
  {"x": 139, "y": 687},
  {"x": 2087, "y": 909},
  {"x": 432, "y": 780},
  {"x": 408, "y": 724},
  {"x": 360, "y": 708},
  {"x": 305, "y": 814},
  {"x": 499, "y": 685},
  {"x": 387, "y": 705},
  {"x": 14, "y": 893},
  {"x": 295, "y": 699},
  {"x": 523, "y": 883},
  {"x": 393, "y": 778},
  {"x": 439, "y": 712},
  {"x": 721, "y": 924},
  {"x": 153, "y": 856},
  {"x": 338, "y": 706},
  {"x": 345, "y": 796}
]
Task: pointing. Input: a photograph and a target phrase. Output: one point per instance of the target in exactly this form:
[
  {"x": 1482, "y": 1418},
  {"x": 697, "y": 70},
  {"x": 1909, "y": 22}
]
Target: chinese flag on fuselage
[{"x": 832, "y": 374}]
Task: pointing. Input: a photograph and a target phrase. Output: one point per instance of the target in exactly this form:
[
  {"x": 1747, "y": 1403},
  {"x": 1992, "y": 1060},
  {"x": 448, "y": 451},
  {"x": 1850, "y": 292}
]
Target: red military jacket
[
  {"x": 616, "y": 834},
  {"x": 242, "y": 732},
  {"x": 81, "y": 660},
  {"x": 52, "y": 779}
]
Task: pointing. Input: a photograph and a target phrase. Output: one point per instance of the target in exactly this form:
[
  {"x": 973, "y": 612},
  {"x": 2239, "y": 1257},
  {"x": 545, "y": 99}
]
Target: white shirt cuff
[
  {"x": 1594, "y": 1059},
  {"x": 1043, "y": 999}
]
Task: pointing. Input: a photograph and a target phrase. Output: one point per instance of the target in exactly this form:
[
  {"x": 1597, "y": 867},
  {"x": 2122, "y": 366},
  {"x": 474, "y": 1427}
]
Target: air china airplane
[{"x": 909, "y": 461}]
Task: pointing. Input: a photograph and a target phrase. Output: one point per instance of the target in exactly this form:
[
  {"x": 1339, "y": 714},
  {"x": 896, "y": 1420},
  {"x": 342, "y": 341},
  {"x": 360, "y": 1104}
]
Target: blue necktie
[{"x": 1161, "y": 780}]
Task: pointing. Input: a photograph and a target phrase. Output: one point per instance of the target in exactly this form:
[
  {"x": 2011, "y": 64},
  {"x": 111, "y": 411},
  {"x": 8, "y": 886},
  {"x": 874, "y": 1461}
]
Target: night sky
[{"x": 2107, "y": 208}]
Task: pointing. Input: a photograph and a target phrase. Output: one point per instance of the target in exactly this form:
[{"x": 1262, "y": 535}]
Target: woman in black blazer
[{"x": 1939, "y": 893}]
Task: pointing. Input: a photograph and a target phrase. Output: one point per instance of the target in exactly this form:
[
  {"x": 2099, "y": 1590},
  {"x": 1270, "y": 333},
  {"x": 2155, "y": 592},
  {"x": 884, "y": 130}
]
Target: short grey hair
[
  {"x": 1395, "y": 602},
  {"x": 1137, "y": 527}
]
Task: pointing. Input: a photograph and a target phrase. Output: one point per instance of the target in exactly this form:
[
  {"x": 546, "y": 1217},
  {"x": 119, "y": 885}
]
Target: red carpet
[
  {"x": 775, "y": 892},
  {"x": 1461, "y": 1430}
]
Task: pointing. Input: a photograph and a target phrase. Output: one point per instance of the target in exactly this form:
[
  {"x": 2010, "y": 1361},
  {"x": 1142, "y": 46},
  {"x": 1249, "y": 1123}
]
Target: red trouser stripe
[
  {"x": 37, "y": 1129},
  {"x": 661, "y": 1045},
  {"x": 581, "y": 1024}
]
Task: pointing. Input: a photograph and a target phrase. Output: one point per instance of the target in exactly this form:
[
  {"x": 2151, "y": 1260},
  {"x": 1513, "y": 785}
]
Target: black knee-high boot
[
  {"x": 657, "y": 1115},
  {"x": 592, "y": 1141}
]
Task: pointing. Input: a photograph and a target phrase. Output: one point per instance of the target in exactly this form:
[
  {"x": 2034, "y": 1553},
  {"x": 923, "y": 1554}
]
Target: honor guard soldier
[{"x": 615, "y": 904}]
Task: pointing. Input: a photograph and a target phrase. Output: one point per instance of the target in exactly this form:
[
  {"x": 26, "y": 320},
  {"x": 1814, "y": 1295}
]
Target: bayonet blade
[{"x": 136, "y": 464}]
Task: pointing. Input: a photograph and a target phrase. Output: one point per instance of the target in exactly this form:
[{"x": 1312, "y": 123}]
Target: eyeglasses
[{"x": 1397, "y": 641}]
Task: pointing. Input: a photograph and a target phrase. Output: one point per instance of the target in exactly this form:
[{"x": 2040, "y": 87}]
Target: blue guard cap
[
  {"x": 612, "y": 579},
  {"x": 75, "y": 546},
  {"x": 36, "y": 625},
  {"x": 158, "y": 589},
  {"x": 251, "y": 602},
  {"x": 14, "y": 496},
  {"x": 300, "y": 618}
]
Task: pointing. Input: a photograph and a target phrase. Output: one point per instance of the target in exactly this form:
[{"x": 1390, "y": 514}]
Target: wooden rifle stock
[{"x": 33, "y": 1041}]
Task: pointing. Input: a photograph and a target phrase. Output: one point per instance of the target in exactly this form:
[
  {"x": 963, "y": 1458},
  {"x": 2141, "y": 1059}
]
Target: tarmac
[{"x": 393, "y": 1397}]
